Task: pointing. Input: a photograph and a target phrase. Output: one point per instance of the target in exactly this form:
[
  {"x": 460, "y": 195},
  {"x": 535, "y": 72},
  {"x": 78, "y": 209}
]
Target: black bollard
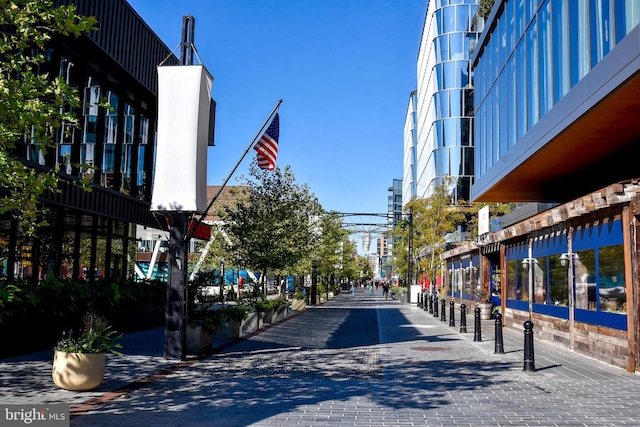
[
  {"x": 452, "y": 314},
  {"x": 477, "y": 331},
  {"x": 435, "y": 306},
  {"x": 529, "y": 364},
  {"x": 499, "y": 341},
  {"x": 443, "y": 310},
  {"x": 463, "y": 318},
  {"x": 427, "y": 298},
  {"x": 430, "y": 304}
]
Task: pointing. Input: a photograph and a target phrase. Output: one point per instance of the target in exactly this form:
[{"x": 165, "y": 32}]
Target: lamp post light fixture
[{"x": 568, "y": 257}]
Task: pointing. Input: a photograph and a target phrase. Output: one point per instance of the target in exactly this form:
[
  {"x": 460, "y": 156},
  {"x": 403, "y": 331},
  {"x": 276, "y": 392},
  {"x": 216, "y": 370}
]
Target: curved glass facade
[
  {"x": 535, "y": 52},
  {"x": 445, "y": 97}
]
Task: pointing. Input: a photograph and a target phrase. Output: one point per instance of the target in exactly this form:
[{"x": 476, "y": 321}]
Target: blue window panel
[
  {"x": 549, "y": 246},
  {"x": 551, "y": 310},
  {"x": 518, "y": 305},
  {"x": 611, "y": 320},
  {"x": 604, "y": 234}
]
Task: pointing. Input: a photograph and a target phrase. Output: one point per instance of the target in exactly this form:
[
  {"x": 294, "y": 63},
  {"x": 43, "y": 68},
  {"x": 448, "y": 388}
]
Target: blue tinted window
[
  {"x": 456, "y": 101},
  {"x": 511, "y": 111},
  {"x": 578, "y": 40},
  {"x": 545, "y": 48},
  {"x": 532, "y": 75},
  {"x": 627, "y": 17},
  {"x": 521, "y": 78},
  {"x": 560, "y": 39},
  {"x": 449, "y": 19},
  {"x": 503, "y": 114},
  {"x": 451, "y": 127}
]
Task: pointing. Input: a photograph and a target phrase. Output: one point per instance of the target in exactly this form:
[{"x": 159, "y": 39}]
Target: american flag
[{"x": 267, "y": 145}]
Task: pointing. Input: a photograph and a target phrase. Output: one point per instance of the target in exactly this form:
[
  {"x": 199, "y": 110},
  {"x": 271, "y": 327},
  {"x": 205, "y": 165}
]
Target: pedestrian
[{"x": 385, "y": 290}]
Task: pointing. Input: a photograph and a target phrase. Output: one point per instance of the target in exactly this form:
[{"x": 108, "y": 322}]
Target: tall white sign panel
[
  {"x": 483, "y": 221},
  {"x": 184, "y": 99}
]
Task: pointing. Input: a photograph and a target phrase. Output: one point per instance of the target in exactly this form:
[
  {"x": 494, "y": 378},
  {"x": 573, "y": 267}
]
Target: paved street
[{"x": 355, "y": 360}]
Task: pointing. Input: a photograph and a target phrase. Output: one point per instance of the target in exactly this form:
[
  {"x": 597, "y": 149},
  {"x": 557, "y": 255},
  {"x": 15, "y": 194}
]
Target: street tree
[
  {"x": 33, "y": 104},
  {"x": 270, "y": 229},
  {"x": 435, "y": 221}
]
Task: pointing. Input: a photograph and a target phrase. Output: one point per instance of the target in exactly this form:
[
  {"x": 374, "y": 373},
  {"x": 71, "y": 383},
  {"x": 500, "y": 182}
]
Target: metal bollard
[
  {"x": 477, "y": 331},
  {"x": 430, "y": 304},
  {"x": 443, "y": 310},
  {"x": 435, "y": 306},
  {"x": 452, "y": 314},
  {"x": 499, "y": 341},
  {"x": 529, "y": 364},
  {"x": 427, "y": 298},
  {"x": 463, "y": 318}
]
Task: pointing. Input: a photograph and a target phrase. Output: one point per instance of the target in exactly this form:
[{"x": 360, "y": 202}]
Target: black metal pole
[
  {"x": 435, "y": 305},
  {"x": 314, "y": 284},
  {"x": 175, "y": 331},
  {"x": 529, "y": 363},
  {"x": 499, "y": 341},
  {"x": 452, "y": 313},
  {"x": 443, "y": 310},
  {"x": 430, "y": 303},
  {"x": 477, "y": 327},
  {"x": 463, "y": 318}
]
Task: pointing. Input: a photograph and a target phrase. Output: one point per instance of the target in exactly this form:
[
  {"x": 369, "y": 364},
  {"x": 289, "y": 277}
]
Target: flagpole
[{"x": 224, "y": 183}]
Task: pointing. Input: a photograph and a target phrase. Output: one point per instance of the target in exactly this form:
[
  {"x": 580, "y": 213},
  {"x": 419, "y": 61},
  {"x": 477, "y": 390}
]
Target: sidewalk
[{"x": 355, "y": 360}]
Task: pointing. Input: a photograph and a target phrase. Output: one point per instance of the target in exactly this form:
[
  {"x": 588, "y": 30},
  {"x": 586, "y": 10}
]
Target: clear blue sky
[{"x": 344, "y": 69}]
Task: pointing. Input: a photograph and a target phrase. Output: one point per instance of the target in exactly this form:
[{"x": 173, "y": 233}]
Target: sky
[{"x": 343, "y": 68}]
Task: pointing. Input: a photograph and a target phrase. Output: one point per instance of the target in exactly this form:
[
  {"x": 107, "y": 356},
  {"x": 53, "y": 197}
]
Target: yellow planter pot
[
  {"x": 298, "y": 304},
  {"x": 78, "y": 371}
]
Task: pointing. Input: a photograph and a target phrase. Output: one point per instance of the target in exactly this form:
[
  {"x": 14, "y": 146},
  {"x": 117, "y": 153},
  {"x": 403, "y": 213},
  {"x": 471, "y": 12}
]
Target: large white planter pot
[
  {"x": 78, "y": 371},
  {"x": 485, "y": 310},
  {"x": 199, "y": 341}
]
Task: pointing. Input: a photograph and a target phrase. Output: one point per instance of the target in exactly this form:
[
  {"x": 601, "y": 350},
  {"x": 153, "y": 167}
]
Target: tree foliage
[
  {"x": 484, "y": 8},
  {"x": 33, "y": 104},
  {"x": 435, "y": 219},
  {"x": 270, "y": 230}
]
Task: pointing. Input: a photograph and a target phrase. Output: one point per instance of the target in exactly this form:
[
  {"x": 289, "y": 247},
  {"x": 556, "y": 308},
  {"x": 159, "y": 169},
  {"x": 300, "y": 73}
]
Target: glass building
[
  {"x": 556, "y": 83},
  {"x": 445, "y": 144},
  {"x": 410, "y": 145}
]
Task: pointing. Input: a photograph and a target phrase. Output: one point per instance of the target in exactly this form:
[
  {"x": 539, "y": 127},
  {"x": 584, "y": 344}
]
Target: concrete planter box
[
  {"x": 199, "y": 341},
  {"x": 253, "y": 322},
  {"x": 229, "y": 330},
  {"x": 270, "y": 316},
  {"x": 298, "y": 305},
  {"x": 283, "y": 310}
]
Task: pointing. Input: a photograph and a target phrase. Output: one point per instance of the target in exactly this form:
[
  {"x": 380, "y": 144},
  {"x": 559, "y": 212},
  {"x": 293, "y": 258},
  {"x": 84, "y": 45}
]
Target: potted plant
[
  {"x": 298, "y": 302},
  {"x": 79, "y": 358},
  {"x": 483, "y": 301}
]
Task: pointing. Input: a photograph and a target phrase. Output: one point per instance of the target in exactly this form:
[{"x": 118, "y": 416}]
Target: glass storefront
[{"x": 542, "y": 281}]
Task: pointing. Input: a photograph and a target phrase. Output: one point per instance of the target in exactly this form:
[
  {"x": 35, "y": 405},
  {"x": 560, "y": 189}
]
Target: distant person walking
[{"x": 385, "y": 290}]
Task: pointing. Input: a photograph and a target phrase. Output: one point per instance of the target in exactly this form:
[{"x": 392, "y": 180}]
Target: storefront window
[
  {"x": 558, "y": 282},
  {"x": 585, "y": 278},
  {"x": 611, "y": 279}
]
